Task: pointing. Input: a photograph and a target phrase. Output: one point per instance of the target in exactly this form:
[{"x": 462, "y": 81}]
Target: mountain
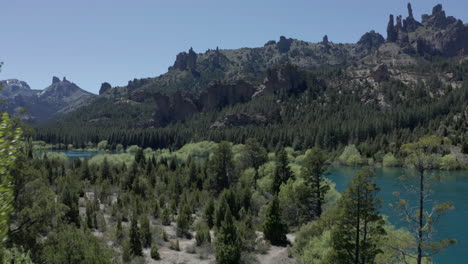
[
  {"x": 60, "y": 97},
  {"x": 377, "y": 92}
]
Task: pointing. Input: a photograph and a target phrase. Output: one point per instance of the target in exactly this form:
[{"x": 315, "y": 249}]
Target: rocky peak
[
  {"x": 325, "y": 40},
  {"x": 392, "y": 34},
  {"x": 284, "y": 44},
  {"x": 410, "y": 24},
  {"x": 105, "y": 86},
  {"x": 55, "y": 80},
  {"x": 437, "y": 18},
  {"x": 185, "y": 61},
  {"x": 370, "y": 41}
]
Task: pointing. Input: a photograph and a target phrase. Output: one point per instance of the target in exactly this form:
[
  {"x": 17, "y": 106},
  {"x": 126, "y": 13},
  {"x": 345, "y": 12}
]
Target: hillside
[
  {"x": 376, "y": 93},
  {"x": 31, "y": 105}
]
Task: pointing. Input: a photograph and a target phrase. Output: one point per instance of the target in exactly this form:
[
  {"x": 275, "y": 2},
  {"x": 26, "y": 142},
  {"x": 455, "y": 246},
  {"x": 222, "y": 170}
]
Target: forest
[{"x": 212, "y": 201}]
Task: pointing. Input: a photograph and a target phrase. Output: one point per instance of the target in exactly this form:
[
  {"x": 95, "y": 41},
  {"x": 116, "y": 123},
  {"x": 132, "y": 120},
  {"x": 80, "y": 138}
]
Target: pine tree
[
  {"x": 274, "y": 229},
  {"x": 140, "y": 157},
  {"x": 282, "y": 171},
  {"x": 312, "y": 172},
  {"x": 105, "y": 171},
  {"x": 222, "y": 166},
  {"x": 136, "y": 248},
  {"x": 360, "y": 225},
  {"x": 145, "y": 231},
  {"x": 228, "y": 244},
  {"x": 209, "y": 213},
  {"x": 184, "y": 219}
]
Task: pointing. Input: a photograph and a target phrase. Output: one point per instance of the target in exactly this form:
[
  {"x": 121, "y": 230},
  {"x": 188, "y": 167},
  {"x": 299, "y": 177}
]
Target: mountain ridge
[
  {"x": 237, "y": 88},
  {"x": 31, "y": 105}
]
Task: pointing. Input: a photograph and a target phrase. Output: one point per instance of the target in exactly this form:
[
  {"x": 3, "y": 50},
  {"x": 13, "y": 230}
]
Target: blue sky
[{"x": 92, "y": 41}]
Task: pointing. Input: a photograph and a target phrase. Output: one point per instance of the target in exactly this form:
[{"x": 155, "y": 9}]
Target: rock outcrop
[
  {"x": 370, "y": 41},
  {"x": 284, "y": 44},
  {"x": 287, "y": 79},
  {"x": 238, "y": 120},
  {"x": 380, "y": 73},
  {"x": 105, "y": 86},
  {"x": 218, "y": 95},
  {"x": 443, "y": 35},
  {"x": 185, "y": 61}
]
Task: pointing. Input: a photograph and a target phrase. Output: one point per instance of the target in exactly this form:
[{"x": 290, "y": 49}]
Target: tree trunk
[
  {"x": 358, "y": 227},
  {"x": 421, "y": 215}
]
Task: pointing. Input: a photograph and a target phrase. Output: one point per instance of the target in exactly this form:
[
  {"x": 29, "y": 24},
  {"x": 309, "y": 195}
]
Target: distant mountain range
[{"x": 32, "y": 105}]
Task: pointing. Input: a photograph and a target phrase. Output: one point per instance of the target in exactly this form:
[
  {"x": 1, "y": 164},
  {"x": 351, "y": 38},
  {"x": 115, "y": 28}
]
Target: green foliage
[
  {"x": 15, "y": 256},
  {"x": 136, "y": 248},
  {"x": 103, "y": 145},
  {"x": 73, "y": 245},
  {"x": 274, "y": 229},
  {"x": 166, "y": 216},
  {"x": 464, "y": 148},
  {"x": 313, "y": 172},
  {"x": 155, "y": 252},
  {"x": 222, "y": 166},
  {"x": 9, "y": 144},
  {"x": 282, "y": 170},
  {"x": 209, "y": 213},
  {"x": 359, "y": 225},
  {"x": 449, "y": 162},
  {"x": 228, "y": 244},
  {"x": 184, "y": 220},
  {"x": 389, "y": 160},
  {"x": 202, "y": 235},
  {"x": 146, "y": 236},
  {"x": 351, "y": 156}
]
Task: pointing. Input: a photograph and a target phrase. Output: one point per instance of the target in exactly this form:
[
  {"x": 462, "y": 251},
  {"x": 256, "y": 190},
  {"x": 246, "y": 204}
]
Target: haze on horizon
[{"x": 91, "y": 42}]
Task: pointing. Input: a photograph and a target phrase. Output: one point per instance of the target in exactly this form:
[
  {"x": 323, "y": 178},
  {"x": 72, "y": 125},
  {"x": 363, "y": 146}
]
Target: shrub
[
  {"x": 350, "y": 156},
  {"x": 449, "y": 162},
  {"x": 389, "y": 160},
  {"x": 155, "y": 251}
]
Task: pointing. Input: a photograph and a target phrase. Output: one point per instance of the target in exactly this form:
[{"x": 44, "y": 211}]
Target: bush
[
  {"x": 449, "y": 162},
  {"x": 155, "y": 251},
  {"x": 389, "y": 160},
  {"x": 351, "y": 156},
  {"x": 203, "y": 234},
  {"x": 102, "y": 145}
]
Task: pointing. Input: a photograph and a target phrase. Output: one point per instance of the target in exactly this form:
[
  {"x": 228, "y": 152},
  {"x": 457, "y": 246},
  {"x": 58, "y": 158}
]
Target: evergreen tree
[
  {"x": 145, "y": 231},
  {"x": 312, "y": 172},
  {"x": 255, "y": 156},
  {"x": 184, "y": 219},
  {"x": 140, "y": 157},
  {"x": 228, "y": 244},
  {"x": 274, "y": 229},
  {"x": 282, "y": 171},
  {"x": 360, "y": 225},
  {"x": 209, "y": 213},
  {"x": 222, "y": 166},
  {"x": 136, "y": 248},
  {"x": 105, "y": 171}
]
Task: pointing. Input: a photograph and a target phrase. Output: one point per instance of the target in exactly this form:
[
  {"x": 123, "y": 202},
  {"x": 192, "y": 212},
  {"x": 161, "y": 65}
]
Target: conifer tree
[
  {"x": 312, "y": 172},
  {"x": 274, "y": 229},
  {"x": 282, "y": 171},
  {"x": 360, "y": 225},
  {"x": 228, "y": 244},
  {"x": 222, "y": 166},
  {"x": 105, "y": 171},
  {"x": 136, "y": 248}
]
